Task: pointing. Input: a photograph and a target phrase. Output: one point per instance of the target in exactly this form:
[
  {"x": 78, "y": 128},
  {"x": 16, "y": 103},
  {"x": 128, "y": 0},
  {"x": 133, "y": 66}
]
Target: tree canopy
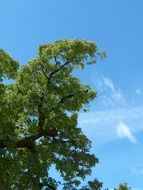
[
  {"x": 124, "y": 186},
  {"x": 38, "y": 118}
]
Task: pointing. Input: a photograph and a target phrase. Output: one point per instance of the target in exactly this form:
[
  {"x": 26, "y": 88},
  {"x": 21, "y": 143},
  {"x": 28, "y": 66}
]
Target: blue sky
[{"x": 114, "y": 123}]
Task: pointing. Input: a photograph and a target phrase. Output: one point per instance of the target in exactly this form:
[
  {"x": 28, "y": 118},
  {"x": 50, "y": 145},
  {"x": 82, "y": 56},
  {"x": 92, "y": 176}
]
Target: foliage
[
  {"x": 124, "y": 186},
  {"x": 38, "y": 118},
  {"x": 93, "y": 185}
]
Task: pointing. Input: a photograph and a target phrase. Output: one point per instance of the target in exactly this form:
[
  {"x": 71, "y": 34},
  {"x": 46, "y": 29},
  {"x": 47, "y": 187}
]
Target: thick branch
[
  {"x": 29, "y": 142},
  {"x": 62, "y": 101},
  {"x": 65, "y": 98},
  {"x": 57, "y": 70},
  {"x": 49, "y": 77},
  {"x": 56, "y": 61}
]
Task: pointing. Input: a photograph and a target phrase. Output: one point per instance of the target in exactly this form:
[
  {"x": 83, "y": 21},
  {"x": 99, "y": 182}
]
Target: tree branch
[
  {"x": 29, "y": 142},
  {"x": 56, "y": 61},
  {"x": 57, "y": 70},
  {"x": 62, "y": 101},
  {"x": 64, "y": 98}
]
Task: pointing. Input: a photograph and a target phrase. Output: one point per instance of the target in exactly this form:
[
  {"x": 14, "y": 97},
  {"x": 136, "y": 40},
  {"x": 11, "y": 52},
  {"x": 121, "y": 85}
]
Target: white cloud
[
  {"x": 109, "y": 108},
  {"x": 109, "y": 95},
  {"x": 116, "y": 93},
  {"x": 124, "y": 131},
  {"x": 108, "y": 82},
  {"x": 109, "y": 116},
  {"x": 100, "y": 126}
]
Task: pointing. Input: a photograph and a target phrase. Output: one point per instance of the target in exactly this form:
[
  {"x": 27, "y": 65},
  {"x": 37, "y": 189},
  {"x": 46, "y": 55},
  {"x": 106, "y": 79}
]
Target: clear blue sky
[{"x": 115, "y": 122}]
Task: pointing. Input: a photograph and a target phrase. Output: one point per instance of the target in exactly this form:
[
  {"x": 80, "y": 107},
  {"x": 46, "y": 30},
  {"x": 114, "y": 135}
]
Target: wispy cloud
[
  {"x": 116, "y": 93},
  {"x": 108, "y": 116},
  {"x": 124, "y": 131},
  {"x": 111, "y": 107},
  {"x": 109, "y": 96},
  {"x": 101, "y": 125}
]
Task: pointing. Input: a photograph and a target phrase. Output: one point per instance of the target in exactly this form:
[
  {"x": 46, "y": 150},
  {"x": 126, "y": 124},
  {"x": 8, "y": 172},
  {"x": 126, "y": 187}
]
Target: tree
[
  {"x": 124, "y": 186},
  {"x": 93, "y": 185},
  {"x": 38, "y": 117}
]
